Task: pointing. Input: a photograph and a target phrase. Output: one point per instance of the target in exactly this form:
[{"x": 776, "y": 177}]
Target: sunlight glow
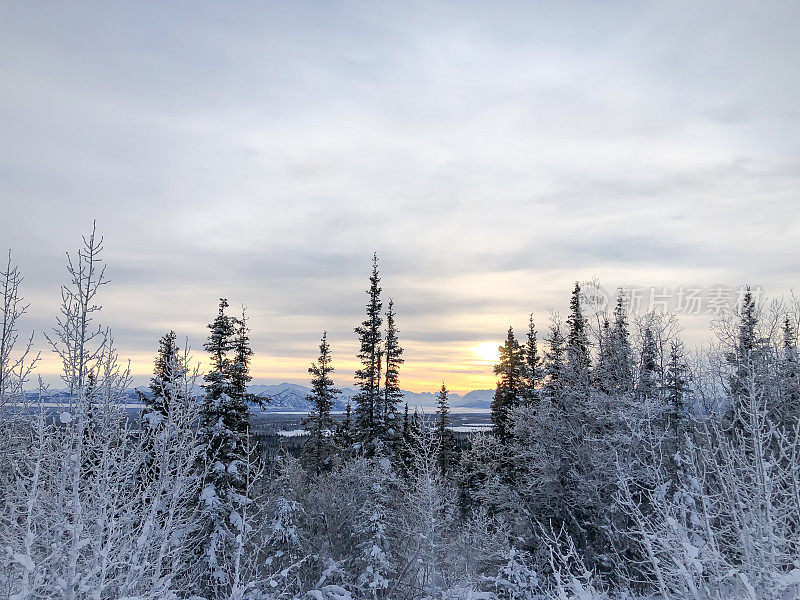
[{"x": 487, "y": 352}]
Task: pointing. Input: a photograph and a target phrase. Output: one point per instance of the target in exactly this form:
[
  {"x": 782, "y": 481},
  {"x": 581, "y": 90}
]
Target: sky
[{"x": 491, "y": 154}]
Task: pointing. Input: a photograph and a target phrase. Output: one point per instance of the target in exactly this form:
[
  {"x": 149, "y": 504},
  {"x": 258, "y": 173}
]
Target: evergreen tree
[
  {"x": 603, "y": 375},
  {"x": 555, "y": 365},
  {"x": 509, "y": 391},
  {"x": 578, "y": 360},
  {"x": 392, "y": 395},
  {"x": 224, "y": 428},
  {"x": 648, "y": 381},
  {"x": 344, "y": 431},
  {"x": 407, "y": 452},
  {"x": 368, "y": 377},
  {"x": 620, "y": 348},
  {"x": 676, "y": 388},
  {"x": 534, "y": 372},
  {"x": 239, "y": 366},
  {"x": 743, "y": 358},
  {"x": 790, "y": 376},
  {"x": 319, "y": 423},
  {"x": 446, "y": 440},
  {"x": 168, "y": 369}
]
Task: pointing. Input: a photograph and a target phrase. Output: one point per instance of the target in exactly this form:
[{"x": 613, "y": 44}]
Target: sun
[{"x": 487, "y": 352}]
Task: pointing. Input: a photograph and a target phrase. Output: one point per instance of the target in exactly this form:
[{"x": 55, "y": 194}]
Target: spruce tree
[
  {"x": 509, "y": 391},
  {"x": 167, "y": 370},
  {"x": 647, "y": 387},
  {"x": 534, "y": 372},
  {"x": 445, "y": 436},
  {"x": 620, "y": 348},
  {"x": 392, "y": 395},
  {"x": 344, "y": 431},
  {"x": 408, "y": 448},
  {"x": 368, "y": 377},
  {"x": 790, "y": 377},
  {"x": 603, "y": 373},
  {"x": 239, "y": 366},
  {"x": 224, "y": 428},
  {"x": 743, "y": 360},
  {"x": 578, "y": 359},
  {"x": 319, "y": 423},
  {"x": 676, "y": 388},
  {"x": 555, "y": 365}
]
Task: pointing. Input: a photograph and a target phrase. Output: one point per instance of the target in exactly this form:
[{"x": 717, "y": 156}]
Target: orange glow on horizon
[{"x": 462, "y": 369}]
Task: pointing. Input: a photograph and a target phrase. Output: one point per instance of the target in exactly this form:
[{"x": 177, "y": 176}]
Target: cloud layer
[{"x": 491, "y": 153}]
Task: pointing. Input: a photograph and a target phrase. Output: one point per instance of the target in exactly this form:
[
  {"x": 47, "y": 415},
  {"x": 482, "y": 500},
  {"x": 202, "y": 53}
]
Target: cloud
[{"x": 492, "y": 154}]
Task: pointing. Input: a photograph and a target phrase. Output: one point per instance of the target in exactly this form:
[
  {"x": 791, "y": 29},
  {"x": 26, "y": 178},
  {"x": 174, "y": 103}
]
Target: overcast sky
[{"x": 491, "y": 153}]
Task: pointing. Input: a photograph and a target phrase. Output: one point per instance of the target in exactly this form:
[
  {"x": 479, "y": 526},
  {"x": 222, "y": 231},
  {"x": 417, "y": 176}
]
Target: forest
[{"x": 620, "y": 464}]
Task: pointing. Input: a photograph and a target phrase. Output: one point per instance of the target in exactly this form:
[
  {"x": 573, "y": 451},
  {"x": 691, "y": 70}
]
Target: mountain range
[{"x": 290, "y": 397}]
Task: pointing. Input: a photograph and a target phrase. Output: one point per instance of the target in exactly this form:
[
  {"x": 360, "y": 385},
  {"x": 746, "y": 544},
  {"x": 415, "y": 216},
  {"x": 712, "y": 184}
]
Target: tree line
[{"x": 619, "y": 465}]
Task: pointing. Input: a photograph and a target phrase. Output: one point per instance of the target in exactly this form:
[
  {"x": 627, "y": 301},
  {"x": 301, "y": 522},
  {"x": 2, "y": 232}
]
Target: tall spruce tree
[
  {"x": 555, "y": 363},
  {"x": 445, "y": 438},
  {"x": 392, "y": 396},
  {"x": 676, "y": 386},
  {"x": 790, "y": 377},
  {"x": 578, "y": 359},
  {"x": 534, "y": 372},
  {"x": 647, "y": 387},
  {"x": 603, "y": 373},
  {"x": 165, "y": 387},
  {"x": 224, "y": 428},
  {"x": 620, "y": 348},
  {"x": 368, "y": 377},
  {"x": 743, "y": 359},
  {"x": 510, "y": 386},
  {"x": 319, "y": 423},
  {"x": 242, "y": 356},
  {"x": 167, "y": 369}
]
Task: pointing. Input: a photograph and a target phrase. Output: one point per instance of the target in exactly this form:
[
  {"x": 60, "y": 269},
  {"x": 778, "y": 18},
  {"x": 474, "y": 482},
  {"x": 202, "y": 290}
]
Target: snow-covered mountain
[{"x": 292, "y": 397}]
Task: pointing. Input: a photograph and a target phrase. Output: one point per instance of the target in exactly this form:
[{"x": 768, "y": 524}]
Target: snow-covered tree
[
  {"x": 15, "y": 368},
  {"x": 223, "y": 438},
  {"x": 534, "y": 371},
  {"x": 392, "y": 395},
  {"x": 577, "y": 348},
  {"x": 319, "y": 424},
  {"x": 445, "y": 438},
  {"x": 368, "y": 376},
  {"x": 555, "y": 364}
]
